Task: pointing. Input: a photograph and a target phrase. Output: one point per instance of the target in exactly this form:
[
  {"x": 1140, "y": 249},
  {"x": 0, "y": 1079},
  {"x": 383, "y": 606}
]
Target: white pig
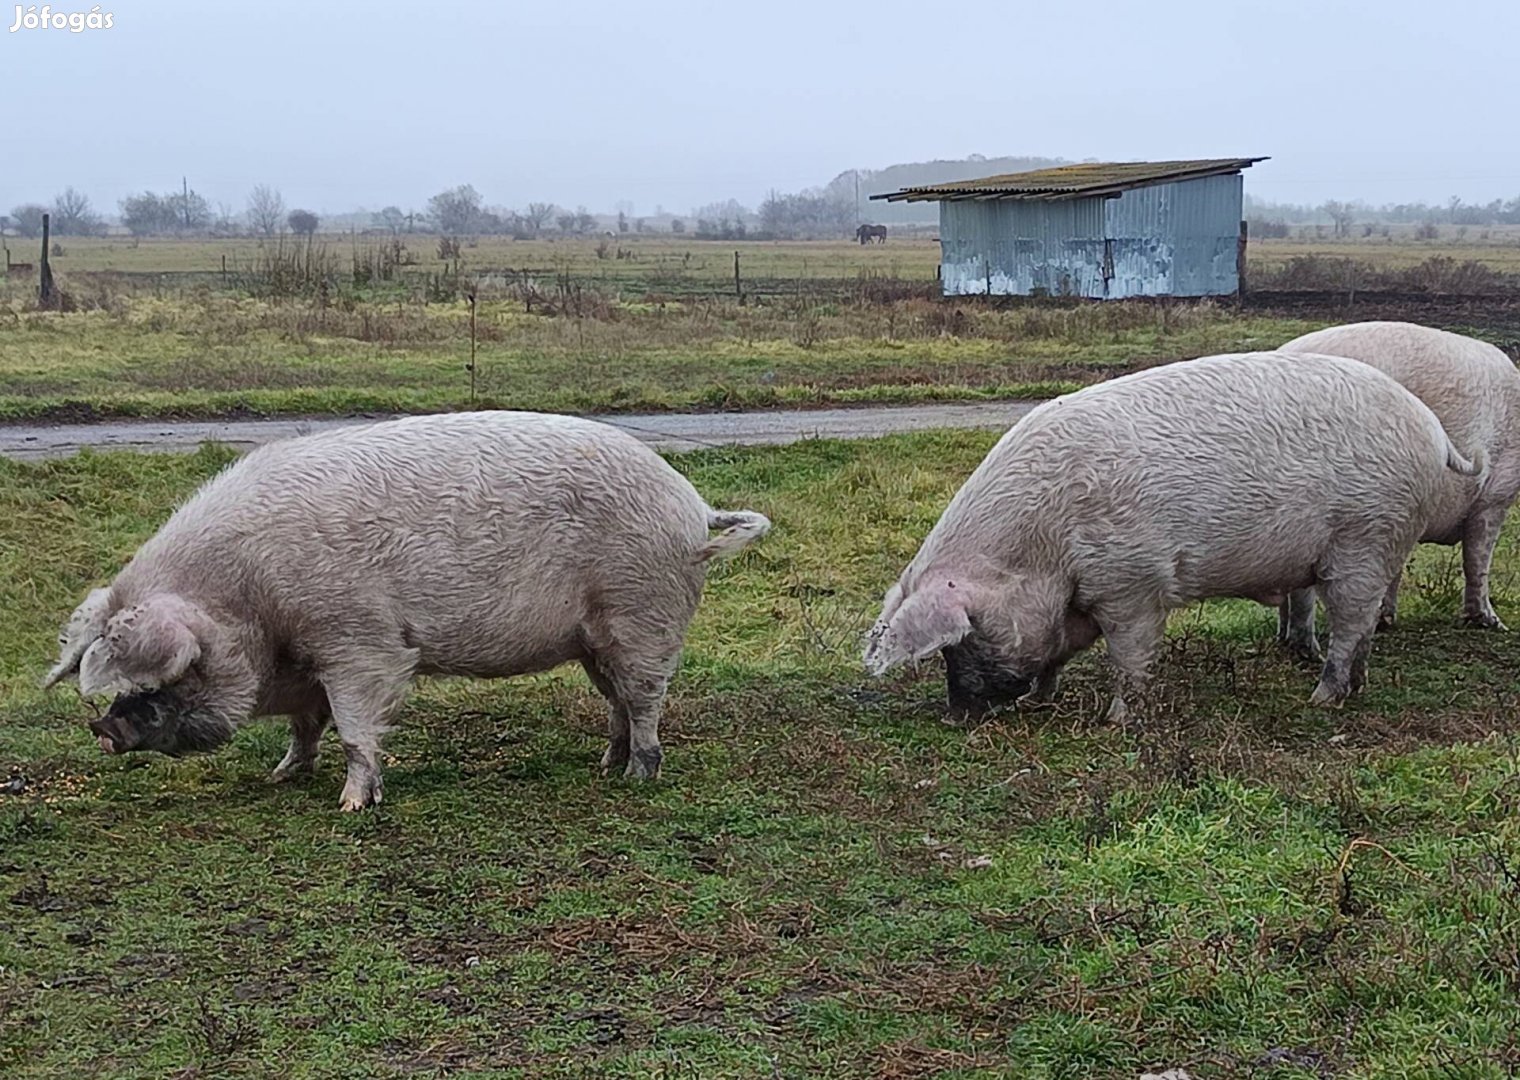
[
  {"x": 1243, "y": 475},
  {"x": 318, "y": 577},
  {"x": 1474, "y": 390}
]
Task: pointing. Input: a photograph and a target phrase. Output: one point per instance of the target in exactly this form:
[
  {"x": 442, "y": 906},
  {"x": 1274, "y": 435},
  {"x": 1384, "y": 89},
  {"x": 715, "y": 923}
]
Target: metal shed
[{"x": 1141, "y": 228}]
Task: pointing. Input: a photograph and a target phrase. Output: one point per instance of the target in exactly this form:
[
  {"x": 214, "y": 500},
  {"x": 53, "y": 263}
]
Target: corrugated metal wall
[
  {"x": 1012, "y": 248},
  {"x": 1165, "y": 240}
]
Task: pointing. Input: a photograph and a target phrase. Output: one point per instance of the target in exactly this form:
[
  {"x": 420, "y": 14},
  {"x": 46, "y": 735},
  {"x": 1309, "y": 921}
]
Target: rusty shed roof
[{"x": 1073, "y": 181}]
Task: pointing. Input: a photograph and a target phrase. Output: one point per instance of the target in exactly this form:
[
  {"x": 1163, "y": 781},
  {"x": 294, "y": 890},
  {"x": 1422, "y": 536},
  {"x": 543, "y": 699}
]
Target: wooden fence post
[
  {"x": 45, "y": 287},
  {"x": 471, "y": 295},
  {"x": 1240, "y": 263}
]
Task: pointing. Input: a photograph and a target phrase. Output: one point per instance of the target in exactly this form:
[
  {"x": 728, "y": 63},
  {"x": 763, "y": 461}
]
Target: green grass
[
  {"x": 826, "y": 882},
  {"x": 202, "y": 353}
]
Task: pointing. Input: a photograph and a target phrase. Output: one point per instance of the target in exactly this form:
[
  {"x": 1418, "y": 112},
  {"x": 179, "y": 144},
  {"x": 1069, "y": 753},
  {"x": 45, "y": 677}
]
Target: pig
[
  {"x": 1474, "y": 390},
  {"x": 1244, "y": 475},
  {"x": 317, "y": 577}
]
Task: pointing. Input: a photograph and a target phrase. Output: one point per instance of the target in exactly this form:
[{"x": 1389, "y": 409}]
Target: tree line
[
  {"x": 172, "y": 213},
  {"x": 458, "y": 211},
  {"x": 1343, "y": 216}
]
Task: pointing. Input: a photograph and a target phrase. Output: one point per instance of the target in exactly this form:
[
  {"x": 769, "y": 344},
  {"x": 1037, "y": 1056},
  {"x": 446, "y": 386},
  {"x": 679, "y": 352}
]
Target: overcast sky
[{"x": 343, "y": 104}]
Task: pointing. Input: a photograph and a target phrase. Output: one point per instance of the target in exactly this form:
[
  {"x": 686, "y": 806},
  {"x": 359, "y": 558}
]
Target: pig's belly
[
  {"x": 1245, "y": 573},
  {"x": 497, "y": 644}
]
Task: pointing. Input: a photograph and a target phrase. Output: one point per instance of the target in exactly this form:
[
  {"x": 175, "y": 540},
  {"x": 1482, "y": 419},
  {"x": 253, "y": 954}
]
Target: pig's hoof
[
  {"x": 360, "y": 795},
  {"x": 1326, "y": 698},
  {"x": 1483, "y": 620},
  {"x": 614, "y": 760},
  {"x": 1303, "y": 650},
  {"x": 1387, "y": 620},
  {"x": 1042, "y": 695},
  {"x": 291, "y": 770},
  {"x": 645, "y": 764}
]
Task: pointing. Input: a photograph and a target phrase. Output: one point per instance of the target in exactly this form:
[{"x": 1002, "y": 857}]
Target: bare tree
[
  {"x": 72, "y": 215},
  {"x": 225, "y": 221},
  {"x": 1341, "y": 214},
  {"x": 390, "y": 218},
  {"x": 27, "y": 219},
  {"x": 538, "y": 214},
  {"x": 457, "y": 210},
  {"x": 266, "y": 209}
]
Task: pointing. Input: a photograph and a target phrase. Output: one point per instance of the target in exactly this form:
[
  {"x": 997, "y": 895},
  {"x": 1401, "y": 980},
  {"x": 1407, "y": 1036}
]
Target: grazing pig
[
  {"x": 318, "y": 577},
  {"x": 1244, "y": 475},
  {"x": 1474, "y": 390}
]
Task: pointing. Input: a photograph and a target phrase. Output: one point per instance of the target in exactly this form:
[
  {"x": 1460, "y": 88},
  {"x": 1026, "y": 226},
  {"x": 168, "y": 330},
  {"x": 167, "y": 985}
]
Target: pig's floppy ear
[
  {"x": 83, "y": 628},
  {"x": 143, "y": 648},
  {"x": 924, "y": 623}
]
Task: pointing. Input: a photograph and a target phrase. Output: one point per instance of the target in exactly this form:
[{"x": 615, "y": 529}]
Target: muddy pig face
[
  {"x": 979, "y": 679},
  {"x": 172, "y": 720},
  {"x": 151, "y": 657}
]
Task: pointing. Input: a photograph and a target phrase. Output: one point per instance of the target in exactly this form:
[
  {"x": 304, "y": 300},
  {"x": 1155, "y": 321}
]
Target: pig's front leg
[
  {"x": 1295, "y": 626},
  {"x": 365, "y": 695},
  {"x": 305, "y": 740},
  {"x": 1043, "y": 690},
  {"x": 1134, "y": 638}
]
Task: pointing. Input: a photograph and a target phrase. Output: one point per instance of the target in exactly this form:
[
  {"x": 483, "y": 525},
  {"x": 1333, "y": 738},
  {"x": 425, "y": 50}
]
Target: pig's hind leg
[
  {"x": 1479, "y": 535},
  {"x": 1352, "y": 605},
  {"x": 616, "y": 755},
  {"x": 637, "y": 661},
  {"x": 639, "y": 684}
]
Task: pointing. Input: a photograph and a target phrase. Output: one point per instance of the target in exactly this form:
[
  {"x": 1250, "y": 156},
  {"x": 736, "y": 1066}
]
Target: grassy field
[
  {"x": 651, "y": 258},
  {"x": 217, "y": 353},
  {"x": 826, "y": 882},
  {"x": 155, "y": 330}
]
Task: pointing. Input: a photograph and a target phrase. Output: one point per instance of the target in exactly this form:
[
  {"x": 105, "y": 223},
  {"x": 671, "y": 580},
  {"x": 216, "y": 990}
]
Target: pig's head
[
  {"x": 176, "y": 686},
  {"x": 997, "y": 636}
]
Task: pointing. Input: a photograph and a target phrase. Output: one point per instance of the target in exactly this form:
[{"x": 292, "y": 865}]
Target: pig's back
[
  {"x": 1471, "y": 386},
  {"x": 467, "y": 528},
  {"x": 1206, "y": 474}
]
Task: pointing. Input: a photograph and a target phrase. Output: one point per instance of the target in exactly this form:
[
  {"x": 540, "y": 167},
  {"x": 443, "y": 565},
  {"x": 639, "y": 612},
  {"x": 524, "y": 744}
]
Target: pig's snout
[
  {"x": 120, "y": 729},
  {"x": 112, "y": 734}
]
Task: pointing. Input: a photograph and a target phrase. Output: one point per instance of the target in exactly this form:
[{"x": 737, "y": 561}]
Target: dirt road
[{"x": 667, "y": 431}]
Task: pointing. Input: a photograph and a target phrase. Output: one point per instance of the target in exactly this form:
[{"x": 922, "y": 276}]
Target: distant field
[
  {"x": 221, "y": 354},
  {"x": 646, "y": 258},
  {"x": 361, "y": 324},
  {"x": 827, "y": 882},
  {"x": 650, "y": 256}
]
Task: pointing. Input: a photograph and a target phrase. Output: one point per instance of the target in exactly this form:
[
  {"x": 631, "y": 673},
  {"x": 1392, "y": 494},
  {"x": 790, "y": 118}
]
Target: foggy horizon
[{"x": 358, "y": 106}]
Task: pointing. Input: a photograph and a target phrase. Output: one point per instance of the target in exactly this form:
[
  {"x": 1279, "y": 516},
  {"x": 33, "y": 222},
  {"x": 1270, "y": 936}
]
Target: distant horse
[{"x": 867, "y": 233}]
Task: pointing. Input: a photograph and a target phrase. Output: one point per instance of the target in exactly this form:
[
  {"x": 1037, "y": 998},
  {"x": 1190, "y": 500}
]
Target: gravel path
[{"x": 669, "y": 431}]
